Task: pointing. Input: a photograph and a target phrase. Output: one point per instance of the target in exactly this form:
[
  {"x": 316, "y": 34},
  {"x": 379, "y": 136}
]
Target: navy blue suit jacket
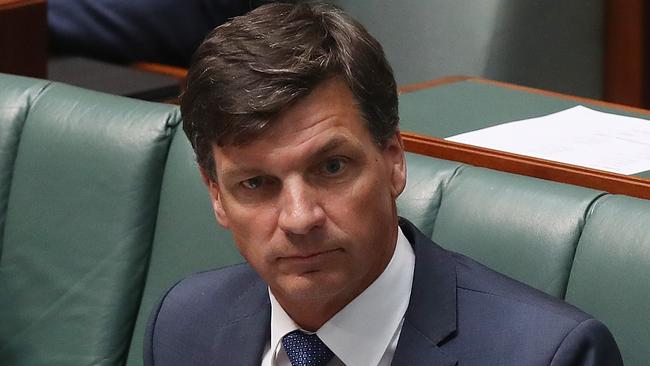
[
  {"x": 142, "y": 30},
  {"x": 460, "y": 312}
]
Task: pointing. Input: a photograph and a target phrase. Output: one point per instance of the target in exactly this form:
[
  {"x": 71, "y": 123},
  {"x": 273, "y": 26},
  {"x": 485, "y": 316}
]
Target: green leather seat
[
  {"x": 555, "y": 45},
  {"x": 610, "y": 277},
  {"x": 17, "y": 95},
  {"x": 525, "y": 228},
  {"x": 79, "y": 221},
  {"x": 187, "y": 238},
  {"x": 426, "y": 180}
]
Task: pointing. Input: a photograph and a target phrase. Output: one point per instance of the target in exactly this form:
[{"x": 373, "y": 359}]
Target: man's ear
[
  {"x": 394, "y": 155},
  {"x": 215, "y": 198}
]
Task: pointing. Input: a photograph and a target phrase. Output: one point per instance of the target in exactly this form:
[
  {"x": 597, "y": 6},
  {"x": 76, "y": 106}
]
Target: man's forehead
[
  {"x": 253, "y": 154},
  {"x": 330, "y": 98}
]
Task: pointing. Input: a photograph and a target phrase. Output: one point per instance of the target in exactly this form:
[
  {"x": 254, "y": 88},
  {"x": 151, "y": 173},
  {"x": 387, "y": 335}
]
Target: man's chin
[{"x": 310, "y": 286}]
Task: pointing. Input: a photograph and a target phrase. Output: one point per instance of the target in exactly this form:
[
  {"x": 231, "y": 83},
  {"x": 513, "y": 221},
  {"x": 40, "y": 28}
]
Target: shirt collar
[{"x": 360, "y": 333}]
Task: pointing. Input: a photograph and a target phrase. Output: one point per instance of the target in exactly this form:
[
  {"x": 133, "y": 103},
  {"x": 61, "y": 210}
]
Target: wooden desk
[
  {"x": 438, "y": 109},
  {"x": 23, "y": 37}
]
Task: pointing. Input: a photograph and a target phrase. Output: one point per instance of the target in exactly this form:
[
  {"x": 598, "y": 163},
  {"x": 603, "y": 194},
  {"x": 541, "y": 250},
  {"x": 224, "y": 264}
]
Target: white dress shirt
[{"x": 365, "y": 332}]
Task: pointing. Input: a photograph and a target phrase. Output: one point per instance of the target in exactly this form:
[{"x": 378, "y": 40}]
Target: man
[{"x": 292, "y": 112}]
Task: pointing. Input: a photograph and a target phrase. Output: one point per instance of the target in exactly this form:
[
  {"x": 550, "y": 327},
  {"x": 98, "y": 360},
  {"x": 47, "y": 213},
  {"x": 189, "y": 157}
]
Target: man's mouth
[{"x": 298, "y": 257}]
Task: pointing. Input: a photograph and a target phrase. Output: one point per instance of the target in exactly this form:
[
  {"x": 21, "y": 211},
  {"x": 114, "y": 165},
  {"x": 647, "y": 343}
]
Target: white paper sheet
[{"x": 579, "y": 136}]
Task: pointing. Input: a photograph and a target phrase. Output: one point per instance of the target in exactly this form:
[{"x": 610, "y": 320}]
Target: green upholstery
[
  {"x": 105, "y": 209},
  {"x": 426, "y": 181},
  {"x": 525, "y": 228},
  {"x": 611, "y": 272},
  {"x": 187, "y": 238},
  {"x": 79, "y": 224},
  {"x": 556, "y": 45},
  {"x": 17, "y": 96}
]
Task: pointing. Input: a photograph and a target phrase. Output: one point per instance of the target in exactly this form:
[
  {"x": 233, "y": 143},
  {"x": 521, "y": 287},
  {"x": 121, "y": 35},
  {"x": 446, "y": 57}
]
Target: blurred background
[{"x": 590, "y": 48}]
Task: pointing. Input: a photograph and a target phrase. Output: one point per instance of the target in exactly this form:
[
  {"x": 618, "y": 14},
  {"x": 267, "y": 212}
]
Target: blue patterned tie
[{"x": 306, "y": 349}]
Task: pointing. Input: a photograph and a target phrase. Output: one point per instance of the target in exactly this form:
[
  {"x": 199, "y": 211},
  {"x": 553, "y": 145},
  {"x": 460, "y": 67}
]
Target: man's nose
[{"x": 300, "y": 211}]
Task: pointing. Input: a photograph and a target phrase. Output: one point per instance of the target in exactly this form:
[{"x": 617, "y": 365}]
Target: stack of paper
[{"x": 579, "y": 136}]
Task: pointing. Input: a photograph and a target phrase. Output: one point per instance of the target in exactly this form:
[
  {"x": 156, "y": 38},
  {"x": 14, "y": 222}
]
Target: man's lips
[{"x": 307, "y": 256}]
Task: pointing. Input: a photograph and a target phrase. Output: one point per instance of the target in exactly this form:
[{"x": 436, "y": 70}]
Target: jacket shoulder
[
  {"x": 224, "y": 289},
  {"x": 497, "y": 312},
  {"x": 480, "y": 281},
  {"x": 228, "y": 308}
]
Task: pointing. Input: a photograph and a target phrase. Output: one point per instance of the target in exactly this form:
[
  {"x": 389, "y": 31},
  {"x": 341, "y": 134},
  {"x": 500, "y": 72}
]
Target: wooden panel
[
  {"x": 533, "y": 167},
  {"x": 23, "y": 37},
  {"x": 525, "y": 165},
  {"x": 626, "y": 52},
  {"x": 173, "y": 71},
  {"x": 432, "y": 83},
  {"x": 6, "y": 4}
]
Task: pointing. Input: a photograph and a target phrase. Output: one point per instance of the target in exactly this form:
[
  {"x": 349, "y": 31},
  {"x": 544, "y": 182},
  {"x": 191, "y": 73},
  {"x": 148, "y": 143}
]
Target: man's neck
[{"x": 311, "y": 315}]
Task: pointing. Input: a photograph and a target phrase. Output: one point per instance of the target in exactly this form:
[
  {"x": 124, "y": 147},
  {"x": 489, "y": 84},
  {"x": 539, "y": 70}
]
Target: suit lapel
[
  {"x": 244, "y": 340},
  {"x": 430, "y": 318},
  {"x": 414, "y": 349}
]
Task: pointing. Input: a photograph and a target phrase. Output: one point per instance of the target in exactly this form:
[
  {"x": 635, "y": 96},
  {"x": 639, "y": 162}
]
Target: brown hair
[{"x": 249, "y": 69}]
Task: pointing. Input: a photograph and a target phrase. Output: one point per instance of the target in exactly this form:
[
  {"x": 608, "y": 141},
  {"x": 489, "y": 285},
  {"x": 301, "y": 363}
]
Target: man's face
[{"x": 311, "y": 203}]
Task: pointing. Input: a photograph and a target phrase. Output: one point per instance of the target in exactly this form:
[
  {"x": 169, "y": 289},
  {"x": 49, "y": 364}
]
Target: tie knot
[{"x": 306, "y": 349}]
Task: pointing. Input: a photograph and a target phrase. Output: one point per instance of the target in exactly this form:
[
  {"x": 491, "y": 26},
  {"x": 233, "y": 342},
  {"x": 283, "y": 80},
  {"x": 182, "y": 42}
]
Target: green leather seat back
[
  {"x": 425, "y": 182},
  {"x": 187, "y": 238},
  {"x": 556, "y": 45},
  {"x": 610, "y": 278},
  {"x": 525, "y": 228},
  {"x": 16, "y": 96},
  {"x": 80, "y": 220}
]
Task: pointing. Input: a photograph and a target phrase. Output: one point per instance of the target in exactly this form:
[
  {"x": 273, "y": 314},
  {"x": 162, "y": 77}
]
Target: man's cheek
[{"x": 252, "y": 252}]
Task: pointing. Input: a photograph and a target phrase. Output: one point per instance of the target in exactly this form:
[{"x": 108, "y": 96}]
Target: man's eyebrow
[
  {"x": 237, "y": 173},
  {"x": 332, "y": 144}
]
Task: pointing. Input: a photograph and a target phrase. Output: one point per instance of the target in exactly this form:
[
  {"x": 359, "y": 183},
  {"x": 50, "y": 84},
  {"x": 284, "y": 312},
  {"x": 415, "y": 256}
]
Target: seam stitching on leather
[
  {"x": 443, "y": 189},
  {"x": 169, "y": 133},
  {"x": 588, "y": 212},
  {"x": 31, "y": 101}
]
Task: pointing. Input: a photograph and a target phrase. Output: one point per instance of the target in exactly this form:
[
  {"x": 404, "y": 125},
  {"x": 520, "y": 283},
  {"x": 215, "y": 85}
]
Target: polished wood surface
[
  {"x": 6, "y": 4},
  {"x": 432, "y": 83},
  {"x": 173, "y": 71},
  {"x": 23, "y": 37},
  {"x": 525, "y": 165},
  {"x": 625, "y": 52},
  {"x": 533, "y": 167}
]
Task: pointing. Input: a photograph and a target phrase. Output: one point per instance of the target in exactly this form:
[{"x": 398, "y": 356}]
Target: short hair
[{"x": 254, "y": 66}]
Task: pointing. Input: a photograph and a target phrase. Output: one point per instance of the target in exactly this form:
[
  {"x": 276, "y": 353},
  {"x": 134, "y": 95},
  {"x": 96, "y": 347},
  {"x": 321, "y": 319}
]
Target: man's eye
[
  {"x": 253, "y": 183},
  {"x": 334, "y": 166}
]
